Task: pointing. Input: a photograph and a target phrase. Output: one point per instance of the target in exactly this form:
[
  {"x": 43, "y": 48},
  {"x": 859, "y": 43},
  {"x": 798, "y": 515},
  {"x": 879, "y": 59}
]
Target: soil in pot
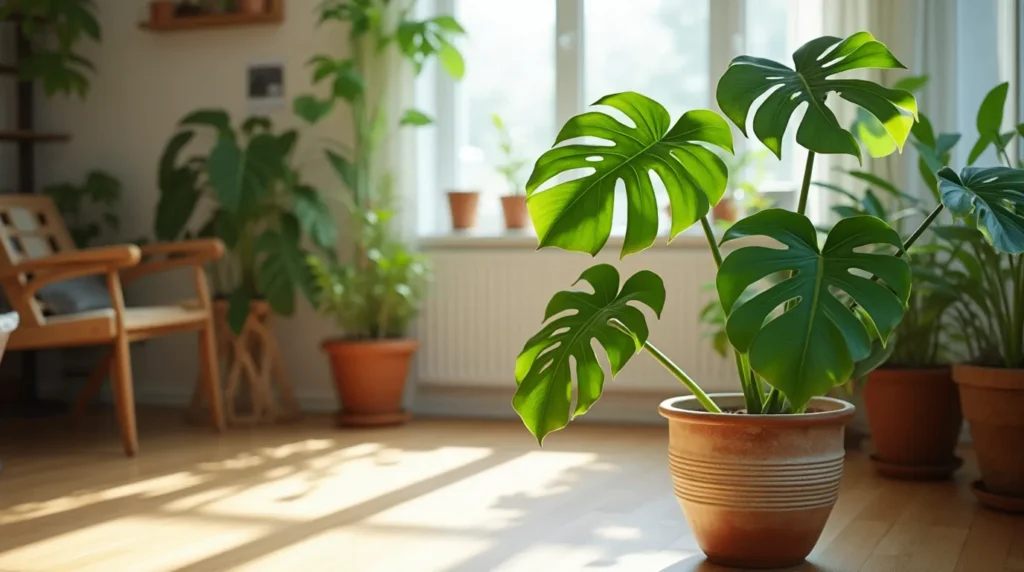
[
  {"x": 463, "y": 205},
  {"x": 514, "y": 209},
  {"x": 993, "y": 403},
  {"x": 756, "y": 489},
  {"x": 370, "y": 379},
  {"x": 914, "y": 419}
]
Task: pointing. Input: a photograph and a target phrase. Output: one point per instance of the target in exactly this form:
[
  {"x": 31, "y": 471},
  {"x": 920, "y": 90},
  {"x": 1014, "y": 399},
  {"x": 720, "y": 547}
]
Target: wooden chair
[{"x": 36, "y": 249}]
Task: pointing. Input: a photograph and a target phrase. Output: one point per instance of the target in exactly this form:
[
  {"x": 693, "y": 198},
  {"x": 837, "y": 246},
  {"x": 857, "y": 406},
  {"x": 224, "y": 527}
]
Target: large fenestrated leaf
[
  {"x": 748, "y": 78},
  {"x": 241, "y": 177},
  {"x": 577, "y": 214},
  {"x": 543, "y": 369},
  {"x": 814, "y": 345},
  {"x": 992, "y": 198},
  {"x": 283, "y": 268}
]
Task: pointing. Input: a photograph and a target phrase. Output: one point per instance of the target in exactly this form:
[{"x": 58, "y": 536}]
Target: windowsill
[{"x": 527, "y": 240}]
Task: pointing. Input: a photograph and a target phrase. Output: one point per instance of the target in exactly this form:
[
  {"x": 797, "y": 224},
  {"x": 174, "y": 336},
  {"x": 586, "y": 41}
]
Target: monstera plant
[
  {"x": 794, "y": 337},
  {"x": 244, "y": 191}
]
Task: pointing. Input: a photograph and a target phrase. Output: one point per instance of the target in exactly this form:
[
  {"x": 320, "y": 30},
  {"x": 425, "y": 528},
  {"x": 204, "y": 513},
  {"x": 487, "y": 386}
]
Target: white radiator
[{"x": 488, "y": 297}]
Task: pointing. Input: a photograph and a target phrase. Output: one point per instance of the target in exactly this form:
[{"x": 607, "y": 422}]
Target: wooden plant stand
[{"x": 257, "y": 390}]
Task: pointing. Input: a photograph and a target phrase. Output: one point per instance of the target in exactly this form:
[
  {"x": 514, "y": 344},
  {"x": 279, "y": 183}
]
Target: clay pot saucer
[
  {"x": 997, "y": 501},
  {"x": 916, "y": 472}
]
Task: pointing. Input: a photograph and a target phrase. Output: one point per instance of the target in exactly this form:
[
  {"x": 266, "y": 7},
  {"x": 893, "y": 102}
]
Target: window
[{"x": 535, "y": 63}]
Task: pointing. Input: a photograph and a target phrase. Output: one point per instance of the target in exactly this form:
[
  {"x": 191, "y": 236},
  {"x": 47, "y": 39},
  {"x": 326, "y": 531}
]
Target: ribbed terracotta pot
[
  {"x": 370, "y": 379},
  {"x": 756, "y": 489},
  {"x": 514, "y": 209},
  {"x": 993, "y": 403},
  {"x": 463, "y": 205},
  {"x": 914, "y": 418}
]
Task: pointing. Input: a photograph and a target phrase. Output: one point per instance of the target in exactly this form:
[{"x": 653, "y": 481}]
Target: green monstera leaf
[
  {"x": 993, "y": 199},
  {"x": 574, "y": 319},
  {"x": 814, "y": 345},
  {"x": 809, "y": 81},
  {"x": 577, "y": 214}
]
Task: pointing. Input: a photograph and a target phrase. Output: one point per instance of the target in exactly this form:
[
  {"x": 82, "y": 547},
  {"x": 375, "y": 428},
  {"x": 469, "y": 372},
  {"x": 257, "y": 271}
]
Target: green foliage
[
  {"x": 377, "y": 295},
  {"x": 813, "y": 345},
  {"x": 254, "y": 201},
  {"x": 871, "y": 133},
  {"x": 577, "y": 214},
  {"x": 54, "y": 29},
  {"x": 511, "y": 165},
  {"x": 989, "y": 121},
  {"x": 574, "y": 320},
  {"x": 991, "y": 199},
  {"x": 748, "y": 78},
  {"x": 81, "y": 205}
]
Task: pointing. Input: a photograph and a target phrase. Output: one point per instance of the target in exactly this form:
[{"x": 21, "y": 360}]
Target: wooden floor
[{"x": 431, "y": 496}]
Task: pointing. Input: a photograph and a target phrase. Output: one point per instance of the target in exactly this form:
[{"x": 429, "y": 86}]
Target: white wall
[{"x": 146, "y": 82}]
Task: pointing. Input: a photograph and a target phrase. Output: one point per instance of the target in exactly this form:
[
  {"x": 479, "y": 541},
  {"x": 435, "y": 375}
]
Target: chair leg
[
  {"x": 124, "y": 395},
  {"x": 210, "y": 375},
  {"x": 92, "y": 386}
]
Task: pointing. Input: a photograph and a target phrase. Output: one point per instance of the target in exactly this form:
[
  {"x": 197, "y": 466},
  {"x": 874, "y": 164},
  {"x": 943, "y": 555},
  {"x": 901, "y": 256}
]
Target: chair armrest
[
  {"x": 165, "y": 256},
  {"x": 73, "y": 264}
]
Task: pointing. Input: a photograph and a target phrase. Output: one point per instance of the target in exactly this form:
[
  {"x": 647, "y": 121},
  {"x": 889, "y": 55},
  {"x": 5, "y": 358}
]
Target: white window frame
[{"x": 439, "y": 94}]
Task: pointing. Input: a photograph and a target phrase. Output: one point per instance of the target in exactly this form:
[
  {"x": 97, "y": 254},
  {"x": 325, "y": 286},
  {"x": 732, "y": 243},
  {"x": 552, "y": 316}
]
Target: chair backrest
[{"x": 30, "y": 227}]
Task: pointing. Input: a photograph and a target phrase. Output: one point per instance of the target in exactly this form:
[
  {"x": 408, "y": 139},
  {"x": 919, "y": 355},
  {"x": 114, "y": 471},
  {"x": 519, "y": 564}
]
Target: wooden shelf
[
  {"x": 8, "y": 70},
  {"x": 273, "y": 15},
  {"x": 21, "y": 135}
]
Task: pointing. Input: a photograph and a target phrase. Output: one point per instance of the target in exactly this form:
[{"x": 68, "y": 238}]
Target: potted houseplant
[
  {"x": 54, "y": 31},
  {"x": 912, "y": 404},
  {"x": 756, "y": 472},
  {"x": 513, "y": 205},
  {"x": 375, "y": 291},
  {"x": 990, "y": 317}
]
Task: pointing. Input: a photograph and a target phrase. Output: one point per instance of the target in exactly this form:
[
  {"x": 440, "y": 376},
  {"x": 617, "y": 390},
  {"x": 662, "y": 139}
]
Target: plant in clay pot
[
  {"x": 513, "y": 205},
  {"x": 912, "y": 404},
  {"x": 756, "y": 472},
  {"x": 989, "y": 317},
  {"x": 376, "y": 290}
]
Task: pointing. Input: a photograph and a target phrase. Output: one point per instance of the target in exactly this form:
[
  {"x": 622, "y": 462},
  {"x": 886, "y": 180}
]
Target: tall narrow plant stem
[
  {"x": 748, "y": 382},
  {"x": 805, "y": 187},
  {"x": 675, "y": 370},
  {"x": 920, "y": 230}
]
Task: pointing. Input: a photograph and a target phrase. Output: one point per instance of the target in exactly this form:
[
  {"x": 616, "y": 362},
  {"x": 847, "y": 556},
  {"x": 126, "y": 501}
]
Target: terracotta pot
[
  {"x": 161, "y": 12},
  {"x": 463, "y": 207},
  {"x": 914, "y": 417},
  {"x": 516, "y": 214},
  {"x": 370, "y": 379},
  {"x": 725, "y": 210},
  {"x": 993, "y": 403},
  {"x": 254, "y": 6},
  {"x": 756, "y": 489}
]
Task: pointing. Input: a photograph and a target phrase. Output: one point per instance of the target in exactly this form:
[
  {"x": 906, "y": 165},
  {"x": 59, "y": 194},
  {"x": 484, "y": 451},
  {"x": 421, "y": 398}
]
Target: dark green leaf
[
  {"x": 574, "y": 320},
  {"x": 215, "y": 118},
  {"x": 311, "y": 109},
  {"x": 241, "y": 178},
  {"x": 911, "y": 83},
  {"x": 990, "y": 114},
  {"x": 315, "y": 218},
  {"x": 176, "y": 204},
  {"x": 577, "y": 214},
  {"x": 748, "y": 78},
  {"x": 345, "y": 169},
  {"x": 282, "y": 269},
  {"x": 813, "y": 346},
  {"x": 253, "y": 124},
  {"x": 880, "y": 353},
  {"x": 992, "y": 199},
  {"x": 238, "y": 310},
  {"x": 169, "y": 160}
]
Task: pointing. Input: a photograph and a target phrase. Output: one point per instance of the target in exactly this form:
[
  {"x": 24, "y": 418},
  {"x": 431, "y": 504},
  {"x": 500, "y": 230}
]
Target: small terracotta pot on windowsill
[
  {"x": 253, "y": 6},
  {"x": 161, "y": 11},
  {"x": 726, "y": 210},
  {"x": 463, "y": 205},
  {"x": 516, "y": 214}
]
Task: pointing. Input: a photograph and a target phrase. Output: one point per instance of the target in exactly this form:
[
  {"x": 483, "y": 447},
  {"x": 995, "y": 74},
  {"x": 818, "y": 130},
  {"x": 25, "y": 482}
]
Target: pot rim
[
  {"x": 989, "y": 377},
  {"x": 841, "y": 412},
  {"x": 393, "y": 344}
]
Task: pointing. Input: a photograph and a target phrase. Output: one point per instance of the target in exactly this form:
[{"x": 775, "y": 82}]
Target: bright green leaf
[
  {"x": 415, "y": 117},
  {"x": 577, "y": 214},
  {"x": 748, "y": 78},
  {"x": 574, "y": 320},
  {"x": 452, "y": 61},
  {"x": 813, "y": 346}
]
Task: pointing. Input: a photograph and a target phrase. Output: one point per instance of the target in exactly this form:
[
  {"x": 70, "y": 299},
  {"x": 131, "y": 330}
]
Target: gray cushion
[{"x": 75, "y": 295}]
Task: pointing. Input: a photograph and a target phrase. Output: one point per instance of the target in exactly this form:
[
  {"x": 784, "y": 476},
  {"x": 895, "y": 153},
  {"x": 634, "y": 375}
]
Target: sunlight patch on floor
[
  {"x": 120, "y": 544},
  {"x": 322, "y": 488},
  {"x": 147, "y": 488},
  {"x": 470, "y": 502}
]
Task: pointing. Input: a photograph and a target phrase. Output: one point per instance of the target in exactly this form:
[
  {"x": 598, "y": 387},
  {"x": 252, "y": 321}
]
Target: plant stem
[
  {"x": 806, "y": 186},
  {"x": 920, "y": 229},
  {"x": 675, "y": 370},
  {"x": 772, "y": 403},
  {"x": 751, "y": 393}
]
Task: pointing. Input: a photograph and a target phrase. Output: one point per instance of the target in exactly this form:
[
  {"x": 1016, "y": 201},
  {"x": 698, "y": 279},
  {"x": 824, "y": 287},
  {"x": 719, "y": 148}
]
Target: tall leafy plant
[
  {"x": 245, "y": 191},
  {"x": 82, "y": 204},
  {"x": 54, "y": 29},
  {"x": 377, "y": 290},
  {"x": 793, "y": 339}
]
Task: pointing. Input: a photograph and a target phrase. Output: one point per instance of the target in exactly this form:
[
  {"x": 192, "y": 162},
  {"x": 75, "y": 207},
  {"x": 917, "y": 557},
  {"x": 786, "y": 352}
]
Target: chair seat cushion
[{"x": 74, "y": 296}]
